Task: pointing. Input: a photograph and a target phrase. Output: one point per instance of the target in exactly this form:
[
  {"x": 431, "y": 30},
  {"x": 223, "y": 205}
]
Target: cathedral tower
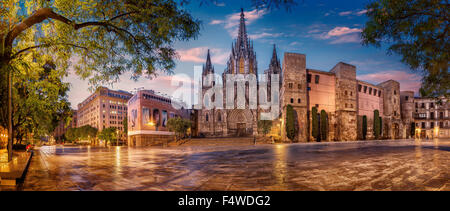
[{"x": 243, "y": 58}]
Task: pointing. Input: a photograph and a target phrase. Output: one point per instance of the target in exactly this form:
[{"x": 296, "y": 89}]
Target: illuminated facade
[
  {"x": 432, "y": 118},
  {"x": 103, "y": 109},
  {"x": 148, "y": 114}
]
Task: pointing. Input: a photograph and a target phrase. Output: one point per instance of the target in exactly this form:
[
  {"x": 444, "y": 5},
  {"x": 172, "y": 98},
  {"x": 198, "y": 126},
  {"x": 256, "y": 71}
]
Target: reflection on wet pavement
[{"x": 370, "y": 165}]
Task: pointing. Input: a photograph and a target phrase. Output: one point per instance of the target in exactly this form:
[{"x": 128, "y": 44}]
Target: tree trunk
[{"x": 10, "y": 123}]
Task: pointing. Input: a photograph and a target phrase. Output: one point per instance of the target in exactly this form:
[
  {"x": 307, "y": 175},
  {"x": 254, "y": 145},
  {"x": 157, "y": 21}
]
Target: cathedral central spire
[{"x": 242, "y": 41}]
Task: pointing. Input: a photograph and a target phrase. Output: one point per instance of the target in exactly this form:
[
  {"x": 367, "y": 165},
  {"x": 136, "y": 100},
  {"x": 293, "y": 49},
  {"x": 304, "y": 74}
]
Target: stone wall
[
  {"x": 294, "y": 92},
  {"x": 346, "y": 102}
]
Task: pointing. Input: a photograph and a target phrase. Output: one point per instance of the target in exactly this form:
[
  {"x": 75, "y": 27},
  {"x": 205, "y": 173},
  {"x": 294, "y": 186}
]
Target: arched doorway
[
  {"x": 240, "y": 122},
  {"x": 396, "y": 131}
]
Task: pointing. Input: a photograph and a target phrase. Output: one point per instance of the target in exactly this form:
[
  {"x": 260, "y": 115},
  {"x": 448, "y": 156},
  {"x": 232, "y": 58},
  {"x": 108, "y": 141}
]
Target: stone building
[
  {"x": 345, "y": 100},
  {"x": 242, "y": 62},
  {"x": 148, "y": 114},
  {"x": 104, "y": 108},
  {"x": 431, "y": 117}
]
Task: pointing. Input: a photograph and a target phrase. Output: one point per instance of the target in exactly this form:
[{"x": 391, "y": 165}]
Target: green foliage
[
  {"x": 413, "y": 129},
  {"x": 108, "y": 135},
  {"x": 376, "y": 124},
  {"x": 264, "y": 126},
  {"x": 179, "y": 125},
  {"x": 323, "y": 125},
  {"x": 315, "y": 124},
  {"x": 71, "y": 134},
  {"x": 418, "y": 30},
  {"x": 107, "y": 38},
  {"x": 364, "y": 127},
  {"x": 290, "y": 123},
  {"x": 125, "y": 125},
  {"x": 39, "y": 100}
]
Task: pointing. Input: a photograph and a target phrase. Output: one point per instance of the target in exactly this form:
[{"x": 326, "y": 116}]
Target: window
[
  {"x": 431, "y": 124},
  {"x": 346, "y": 93},
  {"x": 299, "y": 86},
  {"x": 423, "y": 105},
  {"x": 406, "y": 98},
  {"x": 441, "y": 115},
  {"x": 298, "y": 100},
  {"x": 375, "y": 92},
  {"x": 219, "y": 117},
  {"x": 308, "y": 78},
  {"x": 379, "y": 93},
  {"x": 395, "y": 113},
  {"x": 431, "y": 105},
  {"x": 290, "y": 85},
  {"x": 370, "y": 90},
  {"x": 346, "y": 105},
  {"x": 441, "y": 124},
  {"x": 431, "y": 115},
  {"x": 316, "y": 78},
  {"x": 351, "y": 93},
  {"x": 359, "y": 87},
  {"x": 292, "y": 100},
  {"x": 206, "y": 117},
  {"x": 365, "y": 89},
  {"x": 417, "y": 105},
  {"x": 351, "y": 105},
  {"x": 423, "y": 124},
  {"x": 395, "y": 92},
  {"x": 317, "y": 105}
]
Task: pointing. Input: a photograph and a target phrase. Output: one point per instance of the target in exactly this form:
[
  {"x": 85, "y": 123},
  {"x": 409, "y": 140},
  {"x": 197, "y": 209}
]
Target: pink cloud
[
  {"x": 339, "y": 31},
  {"x": 198, "y": 54},
  {"x": 408, "y": 81},
  {"x": 352, "y": 38}
]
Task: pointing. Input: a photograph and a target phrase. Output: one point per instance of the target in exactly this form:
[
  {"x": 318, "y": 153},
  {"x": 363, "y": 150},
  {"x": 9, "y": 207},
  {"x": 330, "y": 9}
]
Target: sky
[{"x": 328, "y": 32}]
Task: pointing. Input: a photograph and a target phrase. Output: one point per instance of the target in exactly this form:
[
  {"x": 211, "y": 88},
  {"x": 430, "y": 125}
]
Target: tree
[
  {"x": 71, "y": 134},
  {"x": 323, "y": 125},
  {"x": 290, "y": 123},
  {"x": 125, "y": 125},
  {"x": 40, "y": 101},
  {"x": 376, "y": 124},
  {"x": 108, "y": 135},
  {"x": 364, "y": 127},
  {"x": 179, "y": 125},
  {"x": 87, "y": 132},
  {"x": 418, "y": 30},
  {"x": 315, "y": 124},
  {"x": 102, "y": 39},
  {"x": 264, "y": 126}
]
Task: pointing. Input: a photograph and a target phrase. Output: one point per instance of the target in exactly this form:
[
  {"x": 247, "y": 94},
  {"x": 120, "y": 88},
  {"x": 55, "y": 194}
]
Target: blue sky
[{"x": 326, "y": 31}]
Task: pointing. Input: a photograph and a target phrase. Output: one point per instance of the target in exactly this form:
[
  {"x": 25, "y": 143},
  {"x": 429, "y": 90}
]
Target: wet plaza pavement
[{"x": 369, "y": 165}]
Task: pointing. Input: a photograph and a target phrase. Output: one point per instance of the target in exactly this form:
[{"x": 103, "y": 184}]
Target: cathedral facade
[{"x": 242, "y": 61}]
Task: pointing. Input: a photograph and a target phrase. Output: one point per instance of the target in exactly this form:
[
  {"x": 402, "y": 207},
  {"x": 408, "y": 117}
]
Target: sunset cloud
[
  {"x": 408, "y": 81},
  {"x": 198, "y": 55}
]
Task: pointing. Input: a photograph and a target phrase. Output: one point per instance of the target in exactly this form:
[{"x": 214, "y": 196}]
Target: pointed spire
[
  {"x": 274, "y": 54},
  {"x": 208, "y": 61},
  {"x": 208, "y": 68},
  {"x": 242, "y": 36}
]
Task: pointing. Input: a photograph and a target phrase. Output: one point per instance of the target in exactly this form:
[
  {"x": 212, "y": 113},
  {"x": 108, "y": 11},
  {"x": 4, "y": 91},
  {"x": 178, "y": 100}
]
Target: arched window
[
  {"x": 206, "y": 117},
  {"x": 219, "y": 117}
]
